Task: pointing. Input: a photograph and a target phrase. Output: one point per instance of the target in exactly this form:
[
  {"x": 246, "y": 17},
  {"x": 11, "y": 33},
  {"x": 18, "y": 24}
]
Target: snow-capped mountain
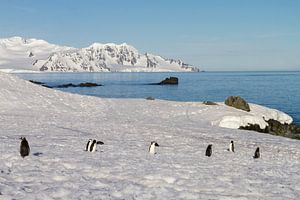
[
  {"x": 17, "y": 53},
  {"x": 39, "y": 55}
]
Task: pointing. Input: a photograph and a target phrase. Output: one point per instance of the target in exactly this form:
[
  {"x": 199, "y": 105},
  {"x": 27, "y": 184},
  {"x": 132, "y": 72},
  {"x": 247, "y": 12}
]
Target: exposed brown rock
[{"x": 238, "y": 103}]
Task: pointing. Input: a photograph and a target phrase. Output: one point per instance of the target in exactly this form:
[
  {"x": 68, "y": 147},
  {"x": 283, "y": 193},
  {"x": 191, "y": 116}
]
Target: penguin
[
  {"x": 88, "y": 145},
  {"x": 231, "y": 146},
  {"x": 208, "y": 150},
  {"x": 93, "y": 146},
  {"x": 99, "y": 142},
  {"x": 24, "y": 147},
  {"x": 257, "y": 153},
  {"x": 152, "y": 147}
]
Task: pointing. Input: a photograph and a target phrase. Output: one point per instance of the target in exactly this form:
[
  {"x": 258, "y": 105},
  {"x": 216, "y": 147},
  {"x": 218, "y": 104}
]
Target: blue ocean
[{"x": 279, "y": 90}]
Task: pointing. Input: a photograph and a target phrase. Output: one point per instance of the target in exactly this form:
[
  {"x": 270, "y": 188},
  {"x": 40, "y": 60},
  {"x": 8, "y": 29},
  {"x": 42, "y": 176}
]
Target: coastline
[{"x": 58, "y": 125}]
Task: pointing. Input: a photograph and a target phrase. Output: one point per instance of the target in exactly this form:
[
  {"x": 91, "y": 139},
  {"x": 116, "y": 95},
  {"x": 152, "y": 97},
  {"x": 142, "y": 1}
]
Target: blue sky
[{"x": 213, "y": 34}]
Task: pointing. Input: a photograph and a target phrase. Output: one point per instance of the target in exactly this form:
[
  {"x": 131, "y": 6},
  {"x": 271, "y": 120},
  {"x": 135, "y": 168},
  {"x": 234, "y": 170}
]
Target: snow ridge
[{"x": 39, "y": 55}]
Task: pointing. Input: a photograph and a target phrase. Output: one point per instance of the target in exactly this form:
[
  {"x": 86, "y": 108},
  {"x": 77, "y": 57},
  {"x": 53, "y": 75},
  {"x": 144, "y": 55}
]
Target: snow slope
[
  {"x": 38, "y": 55},
  {"x": 58, "y": 125}
]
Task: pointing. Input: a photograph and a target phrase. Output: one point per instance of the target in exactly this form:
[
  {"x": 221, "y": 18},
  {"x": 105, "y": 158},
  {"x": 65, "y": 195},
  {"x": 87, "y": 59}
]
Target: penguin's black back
[
  {"x": 208, "y": 150},
  {"x": 24, "y": 148},
  {"x": 100, "y": 142},
  {"x": 257, "y": 153},
  {"x": 88, "y": 144},
  {"x": 232, "y": 146},
  {"x": 94, "y": 143}
]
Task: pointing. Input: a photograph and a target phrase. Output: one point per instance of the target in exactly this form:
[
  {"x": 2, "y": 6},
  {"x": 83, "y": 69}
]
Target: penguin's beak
[{"x": 156, "y": 145}]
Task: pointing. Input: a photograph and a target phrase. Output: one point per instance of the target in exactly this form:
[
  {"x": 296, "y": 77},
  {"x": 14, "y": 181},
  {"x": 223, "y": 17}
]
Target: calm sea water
[{"x": 279, "y": 90}]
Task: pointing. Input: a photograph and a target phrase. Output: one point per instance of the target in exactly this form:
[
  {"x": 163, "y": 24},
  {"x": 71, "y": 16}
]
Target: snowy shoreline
[{"x": 58, "y": 125}]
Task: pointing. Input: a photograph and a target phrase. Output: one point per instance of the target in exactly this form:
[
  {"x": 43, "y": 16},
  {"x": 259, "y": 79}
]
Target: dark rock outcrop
[
  {"x": 47, "y": 86},
  {"x": 150, "y": 98},
  {"x": 237, "y": 102},
  {"x": 40, "y": 83},
  {"x": 282, "y": 129},
  {"x": 276, "y": 128},
  {"x": 209, "y": 103},
  {"x": 87, "y": 84},
  {"x": 36, "y": 82},
  {"x": 66, "y": 85},
  {"x": 169, "y": 81},
  {"x": 254, "y": 127}
]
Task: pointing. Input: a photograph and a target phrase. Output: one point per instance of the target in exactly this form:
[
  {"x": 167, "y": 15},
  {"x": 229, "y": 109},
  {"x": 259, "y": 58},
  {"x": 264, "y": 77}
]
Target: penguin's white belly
[
  {"x": 93, "y": 149},
  {"x": 152, "y": 149},
  {"x": 230, "y": 147}
]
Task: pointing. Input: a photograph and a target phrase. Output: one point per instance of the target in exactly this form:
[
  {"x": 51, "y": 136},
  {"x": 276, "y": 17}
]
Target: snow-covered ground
[{"x": 58, "y": 125}]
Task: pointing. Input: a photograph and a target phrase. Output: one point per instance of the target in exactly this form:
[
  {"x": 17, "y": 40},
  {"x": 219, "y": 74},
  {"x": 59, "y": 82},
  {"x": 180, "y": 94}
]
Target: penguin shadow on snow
[{"x": 37, "y": 154}]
